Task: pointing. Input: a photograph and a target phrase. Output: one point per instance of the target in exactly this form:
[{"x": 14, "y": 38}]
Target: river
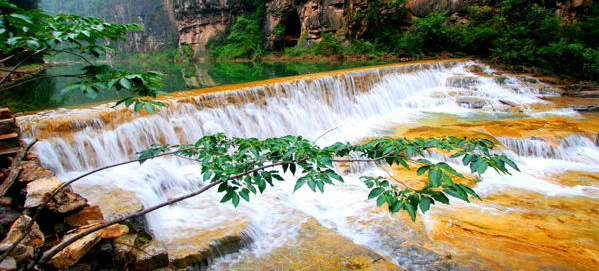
[{"x": 545, "y": 217}]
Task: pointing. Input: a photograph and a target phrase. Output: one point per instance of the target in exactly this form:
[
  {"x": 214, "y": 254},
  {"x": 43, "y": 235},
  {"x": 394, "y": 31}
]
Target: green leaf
[
  {"x": 245, "y": 194},
  {"x": 235, "y": 199},
  {"x": 440, "y": 197},
  {"x": 206, "y": 176},
  {"x": 410, "y": 209},
  {"x": 425, "y": 204},
  {"x": 125, "y": 83},
  {"x": 298, "y": 184},
  {"x": 376, "y": 192},
  {"x": 421, "y": 170},
  {"x": 380, "y": 200},
  {"x": 312, "y": 185},
  {"x": 434, "y": 177}
]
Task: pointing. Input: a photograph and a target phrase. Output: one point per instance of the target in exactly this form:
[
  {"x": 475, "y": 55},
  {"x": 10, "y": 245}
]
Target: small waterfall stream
[{"x": 362, "y": 103}]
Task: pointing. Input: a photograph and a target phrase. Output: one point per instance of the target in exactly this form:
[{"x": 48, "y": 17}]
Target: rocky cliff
[
  {"x": 156, "y": 16},
  {"x": 288, "y": 21},
  {"x": 194, "y": 22}
]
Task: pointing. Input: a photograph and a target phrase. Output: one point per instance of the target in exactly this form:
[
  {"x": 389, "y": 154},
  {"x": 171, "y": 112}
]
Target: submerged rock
[
  {"x": 472, "y": 102},
  {"x": 317, "y": 248},
  {"x": 461, "y": 81}
]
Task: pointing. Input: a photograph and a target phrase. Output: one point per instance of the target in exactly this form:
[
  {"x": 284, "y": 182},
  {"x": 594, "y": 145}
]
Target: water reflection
[{"x": 47, "y": 93}]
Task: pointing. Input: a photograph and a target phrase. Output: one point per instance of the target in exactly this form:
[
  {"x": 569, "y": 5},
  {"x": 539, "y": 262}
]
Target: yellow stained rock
[{"x": 318, "y": 249}]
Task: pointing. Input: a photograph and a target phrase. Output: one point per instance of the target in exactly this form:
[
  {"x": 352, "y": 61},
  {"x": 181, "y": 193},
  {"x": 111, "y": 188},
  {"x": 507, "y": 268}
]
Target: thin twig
[
  {"x": 15, "y": 168},
  {"x": 6, "y": 58},
  {"x": 325, "y": 133},
  {"x": 60, "y": 189},
  {"x": 55, "y": 250},
  {"x": 20, "y": 64},
  {"x": 22, "y": 82}
]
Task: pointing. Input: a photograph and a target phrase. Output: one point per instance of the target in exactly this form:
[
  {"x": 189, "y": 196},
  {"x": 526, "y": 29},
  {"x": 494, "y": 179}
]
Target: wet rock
[
  {"x": 89, "y": 215},
  {"x": 151, "y": 256},
  {"x": 35, "y": 237},
  {"x": 317, "y": 248},
  {"x": 476, "y": 69},
  {"x": 472, "y": 102},
  {"x": 25, "y": 249},
  {"x": 75, "y": 251},
  {"x": 508, "y": 103},
  {"x": 200, "y": 247},
  {"x": 462, "y": 81},
  {"x": 66, "y": 201},
  {"x": 32, "y": 170},
  {"x": 114, "y": 231},
  {"x": 586, "y": 108},
  {"x": 112, "y": 201},
  {"x": 38, "y": 191},
  {"x": 123, "y": 245},
  {"x": 9, "y": 264}
]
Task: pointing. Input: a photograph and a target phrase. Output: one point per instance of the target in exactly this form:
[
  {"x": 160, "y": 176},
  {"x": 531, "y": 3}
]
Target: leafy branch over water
[
  {"x": 31, "y": 35},
  {"x": 253, "y": 162},
  {"x": 242, "y": 167}
]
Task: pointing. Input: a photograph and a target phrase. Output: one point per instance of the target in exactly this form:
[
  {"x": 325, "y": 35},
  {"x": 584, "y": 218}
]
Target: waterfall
[{"x": 361, "y": 102}]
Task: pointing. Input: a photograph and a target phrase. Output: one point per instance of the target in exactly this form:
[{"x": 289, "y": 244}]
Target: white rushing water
[{"x": 386, "y": 97}]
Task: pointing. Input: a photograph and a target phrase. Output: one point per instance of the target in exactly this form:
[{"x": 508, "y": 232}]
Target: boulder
[
  {"x": 89, "y": 215},
  {"x": 9, "y": 264},
  {"x": 123, "y": 245},
  {"x": 66, "y": 201},
  {"x": 472, "y": 102},
  {"x": 70, "y": 255},
  {"x": 38, "y": 191},
  {"x": 150, "y": 256},
  {"x": 199, "y": 247},
  {"x": 32, "y": 170},
  {"x": 35, "y": 237},
  {"x": 24, "y": 250},
  {"x": 461, "y": 81},
  {"x": 113, "y": 202}
]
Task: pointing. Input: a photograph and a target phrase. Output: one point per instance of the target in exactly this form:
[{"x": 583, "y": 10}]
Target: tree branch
[
  {"x": 58, "y": 190},
  {"x": 20, "y": 64},
  {"x": 15, "y": 168},
  {"x": 55, "y": 250},
  {"x": 23, "y": 82}
]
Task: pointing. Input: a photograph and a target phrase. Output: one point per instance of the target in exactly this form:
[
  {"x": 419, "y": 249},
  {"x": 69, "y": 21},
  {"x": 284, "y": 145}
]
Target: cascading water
[{"x": 361, "y": 103}]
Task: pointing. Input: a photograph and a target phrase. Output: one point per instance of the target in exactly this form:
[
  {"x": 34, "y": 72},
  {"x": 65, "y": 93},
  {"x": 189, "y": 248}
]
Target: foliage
[
  {"x": 243, "y": 167},
  {"x": 379, "y": 21},
  {"x": 360, "y": 47},
  {"x": 33, "y": 33},
  {"x": 244, "y": 38}
]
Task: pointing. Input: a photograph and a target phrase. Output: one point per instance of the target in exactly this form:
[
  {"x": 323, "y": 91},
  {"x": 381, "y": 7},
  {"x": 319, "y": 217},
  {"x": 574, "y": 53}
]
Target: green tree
[{"x": 31, "y": 34}]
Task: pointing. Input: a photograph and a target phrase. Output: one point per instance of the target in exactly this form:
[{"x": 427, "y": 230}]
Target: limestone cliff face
[
  {"x": 155, "y": 15},
  {"x": 198, "y": 20}
]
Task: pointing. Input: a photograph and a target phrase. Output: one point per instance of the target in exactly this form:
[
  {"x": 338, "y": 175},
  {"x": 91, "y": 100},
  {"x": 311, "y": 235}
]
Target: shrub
[
  {"x": 360, "y": 47},
  {"x": 328, "y": 45}
]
